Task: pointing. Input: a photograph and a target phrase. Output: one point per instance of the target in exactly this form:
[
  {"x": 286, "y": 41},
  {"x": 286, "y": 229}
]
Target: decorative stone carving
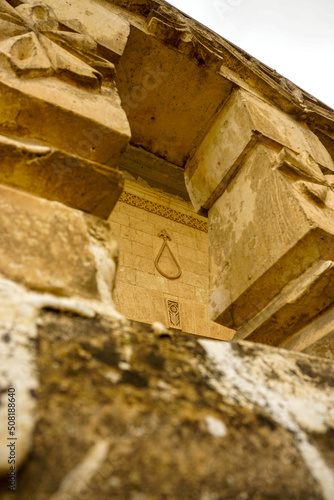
[
  {"x": 266, "y": 181},
  {"x": 109, "y": 28},
  {"x": 61, "y": 122},
  {"x": 168, "y": 213},
  {"x": 174, "y": 315},
  {"x": 32, "y": 45},
  {"x": 307, "y": 176},
  {"x": 172, "y": 269},
  {"x": 174, "y": 29}
]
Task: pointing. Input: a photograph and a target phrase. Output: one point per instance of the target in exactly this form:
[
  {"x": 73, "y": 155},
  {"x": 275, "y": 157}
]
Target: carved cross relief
[{"x": 33, "y": 45}]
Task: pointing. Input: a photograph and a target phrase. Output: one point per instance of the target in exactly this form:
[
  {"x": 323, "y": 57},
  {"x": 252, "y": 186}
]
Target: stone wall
[
  {"x": 141, "y": 291},
  {"x": 111, "y": 409}
]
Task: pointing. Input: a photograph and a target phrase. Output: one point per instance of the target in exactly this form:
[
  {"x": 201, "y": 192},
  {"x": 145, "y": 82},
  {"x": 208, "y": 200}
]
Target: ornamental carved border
[{"x": 167, "y": 213}]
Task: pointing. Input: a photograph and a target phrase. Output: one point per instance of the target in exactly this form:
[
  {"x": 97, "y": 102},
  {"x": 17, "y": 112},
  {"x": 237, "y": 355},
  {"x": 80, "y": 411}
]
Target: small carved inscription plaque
[{"x": 174, "y": 316}]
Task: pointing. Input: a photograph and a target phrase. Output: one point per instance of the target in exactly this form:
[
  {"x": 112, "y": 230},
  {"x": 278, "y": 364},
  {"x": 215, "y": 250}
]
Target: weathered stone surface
[
  {"x": 71, "y": 119},
  {"x": 18, "y": 372},
  {"x": 49, "y": 247},
  {"x": 99, "y": 21},
  {"x": 271, "y": 252},
  {"x": 266, "y": 181},
  {"x": 129, "y": 412},
  {"x": 59, "y": 176},
  {"x": 244, "y": 122},
  {"x": 163, "y": 95},
  {"x": 55, "y": 89},
  {"x": 232, "y": 421},
  {"x": 161, "y": 33}
]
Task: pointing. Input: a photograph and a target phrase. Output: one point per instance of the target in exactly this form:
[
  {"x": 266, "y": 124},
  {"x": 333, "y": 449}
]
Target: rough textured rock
[
  {"x": 52, "y": 248},
  {"x": 127, "y": 411}
]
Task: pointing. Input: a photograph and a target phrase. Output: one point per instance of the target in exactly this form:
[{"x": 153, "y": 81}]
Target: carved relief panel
[
  {"x": 32, "y": 45},
  {"x": 174, "y": 315},
  {"x": 61, "y": 122}
]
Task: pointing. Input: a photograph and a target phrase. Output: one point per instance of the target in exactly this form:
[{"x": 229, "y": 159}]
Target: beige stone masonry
[
  {"x": 251, "y": 144},
  {"x": 59, "y": 176},
  {"x": 51, "y": 248},
  {"x": 244, "y": 122},
  {"x": 62, "y": 127},
  {"x": 267, "y": 182},
  {"x": 141, "y": 291}
]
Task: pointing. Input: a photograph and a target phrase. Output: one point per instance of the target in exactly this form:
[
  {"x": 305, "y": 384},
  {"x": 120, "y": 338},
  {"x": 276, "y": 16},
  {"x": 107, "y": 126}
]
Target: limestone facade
[
  {"x": 96, "y": 91},
  {"x": 141, "y": 291},
  {"x": 92, "y": 91}
]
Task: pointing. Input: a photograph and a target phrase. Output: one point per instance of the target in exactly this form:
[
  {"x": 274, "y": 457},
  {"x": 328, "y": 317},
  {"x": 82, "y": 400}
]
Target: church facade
[{"x": 212, "y": 172}]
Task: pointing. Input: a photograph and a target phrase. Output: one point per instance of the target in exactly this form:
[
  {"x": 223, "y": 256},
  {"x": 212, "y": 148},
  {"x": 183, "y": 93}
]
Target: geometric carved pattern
[
  {"x": 174, "y": 317},
  {"x": 168, "y": 213}
]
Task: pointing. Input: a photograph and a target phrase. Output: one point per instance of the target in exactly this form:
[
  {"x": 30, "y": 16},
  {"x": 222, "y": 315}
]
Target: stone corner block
[{"x": 49, "y": 247}]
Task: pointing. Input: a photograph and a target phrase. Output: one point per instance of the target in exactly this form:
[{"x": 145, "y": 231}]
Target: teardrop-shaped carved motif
[{"x": 166, "y": 248}]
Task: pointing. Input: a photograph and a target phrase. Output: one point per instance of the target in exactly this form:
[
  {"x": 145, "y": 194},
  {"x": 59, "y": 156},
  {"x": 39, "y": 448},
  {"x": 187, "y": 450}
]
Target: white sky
[{"x": 294, "y": 37}]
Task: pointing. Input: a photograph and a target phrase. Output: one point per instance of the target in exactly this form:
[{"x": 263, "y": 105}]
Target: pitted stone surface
[{"x": 127, "y": 411}]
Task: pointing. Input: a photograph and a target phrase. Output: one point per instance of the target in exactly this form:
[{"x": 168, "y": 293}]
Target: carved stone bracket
[
  {"x": 267, "y": 183},
  {"x": 199, "y": 43},
  {"x": 175, "y": 29},
  {"x": 308, "y": 177}
]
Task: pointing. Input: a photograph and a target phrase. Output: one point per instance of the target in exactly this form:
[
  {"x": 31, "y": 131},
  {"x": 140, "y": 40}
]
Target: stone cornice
[
  {"x": 188, "y": 36},
  {"x": 179, "y": 32}
]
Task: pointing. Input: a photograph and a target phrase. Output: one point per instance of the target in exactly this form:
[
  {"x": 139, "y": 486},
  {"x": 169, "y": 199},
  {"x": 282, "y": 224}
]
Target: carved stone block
[
  {"x": 49, "y": 247},
  {"x": 59, "y": 176},
  {"x": 174, "y": 315},
  {"x": 267, "y": 183},
  {"x": 243, "y": 123},
  {"x": 101, "y": 22},
  {"x": 60, "y": 111},
  {"x": 271, "y": 238}
]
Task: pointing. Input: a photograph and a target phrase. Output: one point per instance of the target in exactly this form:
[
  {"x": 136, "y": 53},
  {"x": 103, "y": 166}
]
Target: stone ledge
[
  {"x": 49, "y": 247},
  {"x": 59, "y": 176}
]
